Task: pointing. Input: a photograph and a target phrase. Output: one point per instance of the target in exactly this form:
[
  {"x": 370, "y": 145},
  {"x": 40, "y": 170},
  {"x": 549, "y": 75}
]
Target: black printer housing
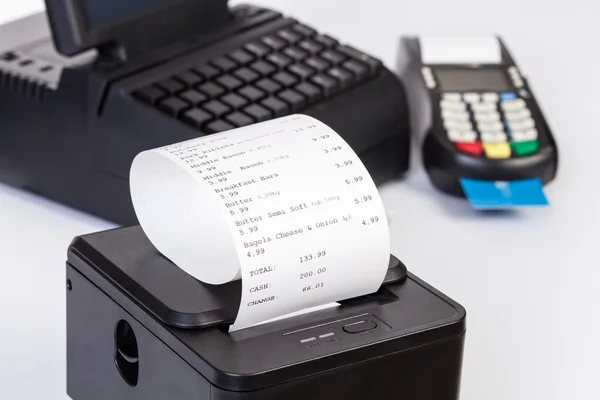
[
  {"x": 74, "y": 143},
  {"x": 117, "y": 277}
]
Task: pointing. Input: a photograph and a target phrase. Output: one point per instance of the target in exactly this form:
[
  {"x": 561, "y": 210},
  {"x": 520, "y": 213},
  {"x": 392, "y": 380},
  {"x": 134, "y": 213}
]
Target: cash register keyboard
[
  {"x": 497, "y": 125},
  {"x": 278, "y": 74}
]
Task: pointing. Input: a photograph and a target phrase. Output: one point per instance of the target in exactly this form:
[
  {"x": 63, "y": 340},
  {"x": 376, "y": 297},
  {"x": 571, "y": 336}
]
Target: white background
[{"x": 529, "y": 280}]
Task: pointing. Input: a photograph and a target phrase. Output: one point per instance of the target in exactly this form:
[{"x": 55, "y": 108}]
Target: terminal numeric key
[
  {"x": 293, "y": 98},
  {"x": 252, "y": 93},
  {"x": 196, "y": 117},
  {"x": 344, "y": 77},
  {"x": 310, "y": 46},
  {"x": 317, "y": 63},
  {"x": 239, "y": 119},
  {"x": 259, "y": 50},
  {"x": 258, "y": 112},
  {"x": 310, "y": 91},
  {"x": 278, "y": 107},
  {"x": 171, "y": 85},
  {"x": 173, "y": 106},
  {"x": 327, "y": 84},
  {"x": 374, "y": 64},
  {"x": 151, "y": 94},
  {"x": 302, "y": 71},
  {"x": 219, "y": 126}
]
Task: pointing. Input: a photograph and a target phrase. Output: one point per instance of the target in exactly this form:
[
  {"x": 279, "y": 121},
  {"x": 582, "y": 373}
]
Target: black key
[
  {"x": 211, "y": 89},
  {"x": 278, "y": 107},
  {"x": 9, "y": 56},
  {"x": 295, "y": 53},
  {"x": 219, "y": 126},
  {"x": 328, "y": 85},
  {"x": 268, "y": 85},
  {"x": 208, "y": 72},
  {"x": 294, "y": 99},
  {"x": 234, "y": 101},
  {"x": 173, "y": 106},
  {"x": 344, "y": 77},
  {"x": 317, "y": 63},
  {"x": 171, "y": 85},
  {"x": 216, "y": 108},
  {"x": 333, "y": 56},
  {"x": 259, "y": 113},
  {"x": 289, "y": 36},
  {"x": 224, "y": 64},
  {"x": 359, "y": 70},
  {"x": 263, "y": 68},
  {"x": 302, "y": 71},
  {"x": 196, "y": 117},
  {"x": 251, "y": 93},
  {"x": 285, "y": 79},
  {"x": 189, "y": 78},
  {"x": 327, "y": 41},
  {"x": 273, "y": 42},
  {"x": 229, "y": 82},
  {"x": 373, "y": 63},
  {"x": 193, "y": 96},
  {"x": 259, "y": 50},
  {"x": 310, "y": 46},
  {"x": 279, "y": 60},
  {"x": 246, "y": 75},
  {"x": 310, "y": 91},
  {"x": 238, "y": 119},
  {"x": 242, "y": 57},
  {"x": 304, "y": 30},
  {"x": 151, "y": 94}
]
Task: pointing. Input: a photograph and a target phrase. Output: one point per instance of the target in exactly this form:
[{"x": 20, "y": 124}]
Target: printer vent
[
  {"x": 22, "y": 86},
  {"x": 27, "y": 75}
]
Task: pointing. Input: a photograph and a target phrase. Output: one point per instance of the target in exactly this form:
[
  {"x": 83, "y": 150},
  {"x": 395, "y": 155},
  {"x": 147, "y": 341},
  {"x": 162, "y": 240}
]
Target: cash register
[
  {"x": 89, "y": 84},
  {"x": 138, "y": 327}
]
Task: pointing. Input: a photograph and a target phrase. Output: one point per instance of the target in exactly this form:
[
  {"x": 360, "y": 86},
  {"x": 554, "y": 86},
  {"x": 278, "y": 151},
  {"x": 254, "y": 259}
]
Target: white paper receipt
[{"x": 285, "y": 205}]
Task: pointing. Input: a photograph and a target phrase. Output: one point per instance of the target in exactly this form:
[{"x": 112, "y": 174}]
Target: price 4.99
[
  {"x": 370, "y": 220},
  {"x": 255, "y": 253}
]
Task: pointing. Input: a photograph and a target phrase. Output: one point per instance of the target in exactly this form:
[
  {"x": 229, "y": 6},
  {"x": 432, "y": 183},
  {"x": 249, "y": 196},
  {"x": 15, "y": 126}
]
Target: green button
[{"x": 524, "y": 148}]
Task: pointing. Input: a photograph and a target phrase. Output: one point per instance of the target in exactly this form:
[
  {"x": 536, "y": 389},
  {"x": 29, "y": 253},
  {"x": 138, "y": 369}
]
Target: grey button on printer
[{"x": 358, "y": 327}]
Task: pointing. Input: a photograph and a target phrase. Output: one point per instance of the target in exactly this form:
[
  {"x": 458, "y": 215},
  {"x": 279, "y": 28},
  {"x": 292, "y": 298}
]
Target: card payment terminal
[{"x": 476, "y": 116}]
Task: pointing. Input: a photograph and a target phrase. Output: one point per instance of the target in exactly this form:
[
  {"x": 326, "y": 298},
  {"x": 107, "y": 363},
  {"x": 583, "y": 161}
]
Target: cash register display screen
[
  {"x": 466, "y": 79},
  {"x": 101, "y": 13}
]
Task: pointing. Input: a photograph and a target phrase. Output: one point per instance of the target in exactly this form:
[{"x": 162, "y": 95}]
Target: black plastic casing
[
  {"x": 444, "y": 164},
  {"x": 165, "y": 23},
  {"x": 75, "y": 144},
  {"x": 414, "y": 353}
]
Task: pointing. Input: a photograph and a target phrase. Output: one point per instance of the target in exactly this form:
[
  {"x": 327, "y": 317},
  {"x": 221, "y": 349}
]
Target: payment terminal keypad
[{"x": 492, "y": 125}]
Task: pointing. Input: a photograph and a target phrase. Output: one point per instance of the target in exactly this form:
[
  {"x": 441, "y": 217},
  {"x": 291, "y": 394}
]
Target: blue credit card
[{"x": 502, "y": 195}]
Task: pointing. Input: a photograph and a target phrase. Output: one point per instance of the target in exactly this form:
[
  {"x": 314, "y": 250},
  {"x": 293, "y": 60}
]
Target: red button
[{"x": 473, "y": 148}]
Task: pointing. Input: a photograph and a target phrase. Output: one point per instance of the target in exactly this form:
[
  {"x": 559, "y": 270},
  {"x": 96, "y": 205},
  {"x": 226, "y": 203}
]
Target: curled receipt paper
[{"x": 285, "y": 205}]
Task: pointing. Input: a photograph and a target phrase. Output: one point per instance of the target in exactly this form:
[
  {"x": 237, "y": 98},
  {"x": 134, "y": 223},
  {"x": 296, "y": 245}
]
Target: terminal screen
[
  {"x": 102, "y": 13},
  {"x": 466, "y": 79}
]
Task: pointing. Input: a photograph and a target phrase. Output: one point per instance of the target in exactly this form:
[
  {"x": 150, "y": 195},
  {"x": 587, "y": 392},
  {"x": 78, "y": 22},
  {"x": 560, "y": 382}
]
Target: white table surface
[{"x": 529, "y": 280}]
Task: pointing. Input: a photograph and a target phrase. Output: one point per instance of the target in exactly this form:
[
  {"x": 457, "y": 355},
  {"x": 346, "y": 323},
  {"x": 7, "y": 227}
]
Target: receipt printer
[
  {"x": 139, "y": 328},
  {"x": 90, "y": 84}
]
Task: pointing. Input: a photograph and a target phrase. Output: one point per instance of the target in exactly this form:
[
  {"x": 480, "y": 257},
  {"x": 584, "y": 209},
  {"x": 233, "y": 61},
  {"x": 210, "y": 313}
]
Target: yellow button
[{"x": 497, "y": 150}]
